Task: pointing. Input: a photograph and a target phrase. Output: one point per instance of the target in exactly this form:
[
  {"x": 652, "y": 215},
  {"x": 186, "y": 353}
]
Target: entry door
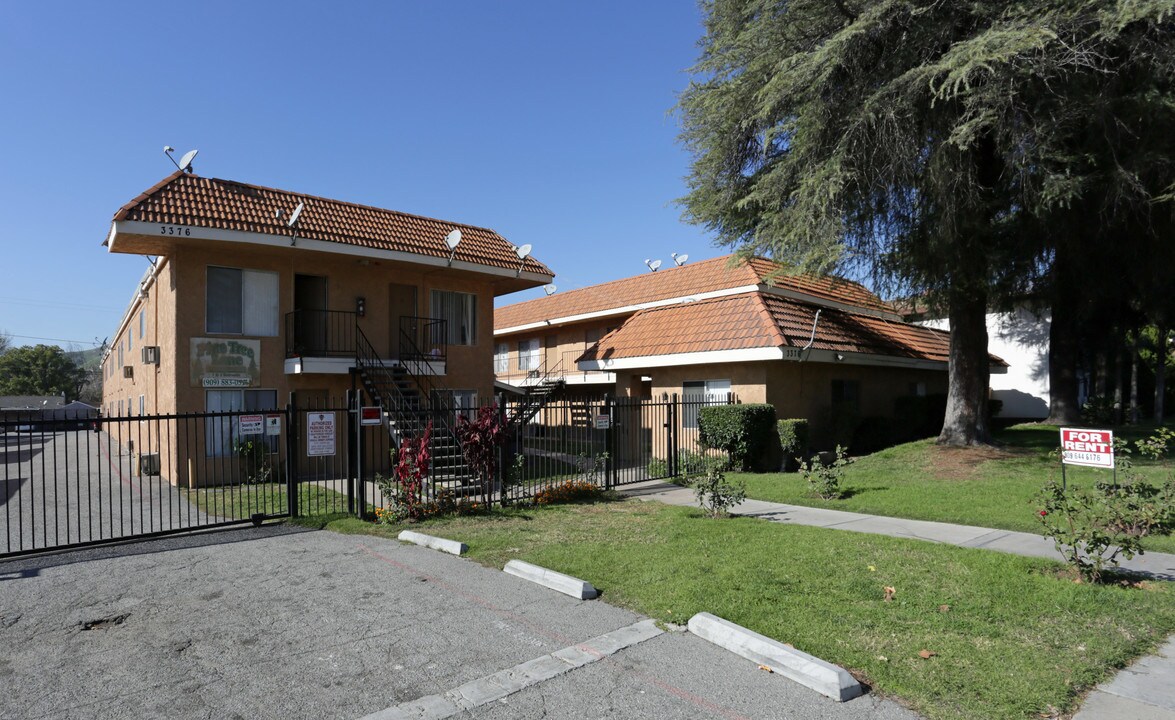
[
  {"x": 402, "y": 304},
  {"x": 311, "y": 321}
]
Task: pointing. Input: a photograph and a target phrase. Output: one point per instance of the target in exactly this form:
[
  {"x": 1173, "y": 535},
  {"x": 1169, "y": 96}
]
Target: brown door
[
  {"x": 402, "y": 304},
  {"x": 311, "y": 325}
]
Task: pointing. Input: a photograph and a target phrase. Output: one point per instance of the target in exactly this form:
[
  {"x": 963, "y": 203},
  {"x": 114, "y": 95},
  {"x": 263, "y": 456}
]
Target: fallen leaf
[
  {"x": 872, "y": 569},
  {"x": 764, "y": 668},
  {"x": 927, "y": 654},
  {"x": 882, "y": 658},
  {"x": 890, "y": 591},
  {"x": 944, "y": 608}
]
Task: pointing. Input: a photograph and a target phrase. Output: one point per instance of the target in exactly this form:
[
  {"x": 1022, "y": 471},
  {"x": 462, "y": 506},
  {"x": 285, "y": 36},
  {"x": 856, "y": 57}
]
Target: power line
[{"x": 75, "y": 342}]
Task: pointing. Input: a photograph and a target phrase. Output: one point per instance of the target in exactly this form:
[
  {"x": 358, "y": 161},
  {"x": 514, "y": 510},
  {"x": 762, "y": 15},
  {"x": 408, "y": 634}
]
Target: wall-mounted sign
[
  {"x": 273, "y": 424},
  {"x": 320, "y": 434},
  {"x": 603, "y": 422},
  {"x": 1092, "y": 448},
  {"x": 221, "y": 363},
  {"x": 371, "y": 416},
  {"x": 251, "y": 424}
]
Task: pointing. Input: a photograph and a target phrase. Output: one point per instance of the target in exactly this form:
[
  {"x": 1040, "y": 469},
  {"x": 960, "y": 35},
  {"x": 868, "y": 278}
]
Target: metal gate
[{"x": 72, "y": 480}]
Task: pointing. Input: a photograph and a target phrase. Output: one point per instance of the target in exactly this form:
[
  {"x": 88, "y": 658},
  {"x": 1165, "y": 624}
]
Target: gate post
[
  {"x": 352, "y": 449},
  {"x": 291, "y": 457},
  {"x": 671, "y": 436},
  {"x": 609, "y": 444}
]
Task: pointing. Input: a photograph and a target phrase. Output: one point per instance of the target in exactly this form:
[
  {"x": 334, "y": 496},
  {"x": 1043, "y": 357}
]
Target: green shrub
[
  {"x": 690, "y": 463},
  {"x": 746, "y": 432},
  {"x": 919, "y": 416},
  {"x": 824, "y": 480},
  {"x": 793, "y": 439},
  {"x": 873, "y": 433},
  {"x": 716, "y": 495}
]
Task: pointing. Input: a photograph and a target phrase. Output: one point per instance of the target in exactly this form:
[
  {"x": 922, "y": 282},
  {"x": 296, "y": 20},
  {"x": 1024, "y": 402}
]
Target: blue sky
[{"x": 549, "y": 122}]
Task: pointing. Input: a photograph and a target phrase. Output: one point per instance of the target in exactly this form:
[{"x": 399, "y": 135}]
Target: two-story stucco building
[{"x": 254, "y": 293}]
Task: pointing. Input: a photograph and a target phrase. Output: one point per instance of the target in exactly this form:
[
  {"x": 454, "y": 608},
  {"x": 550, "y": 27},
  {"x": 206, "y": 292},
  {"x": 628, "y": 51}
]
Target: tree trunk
[
  {"x": 1063, "y": 350},
  {"x": 1119, "y": 367},
  {"x": 1134, "y": 413},
  {"x": 966, "y": 416},
  {"x": 1160, "y": 373}
]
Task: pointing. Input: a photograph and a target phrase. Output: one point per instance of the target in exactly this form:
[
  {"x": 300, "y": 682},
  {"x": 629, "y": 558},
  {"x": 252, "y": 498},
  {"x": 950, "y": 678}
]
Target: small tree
[
  {"x": 480, "y": 440},
  {"x": 404, "y": 490},
  {"x": 40, "y": 370}
]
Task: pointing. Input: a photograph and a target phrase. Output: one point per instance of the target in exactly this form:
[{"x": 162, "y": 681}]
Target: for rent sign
[{"x": 1094, "y": 448}]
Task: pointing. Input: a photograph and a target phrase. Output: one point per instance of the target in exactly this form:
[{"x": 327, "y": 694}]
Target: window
[
  {"x": 129, "y": 336},
  {"x": 142, "y": 405},
  {"x": 699, "y": 393},
  {"x": 142, "y": 324},
  {"x": 241, "y": 302},
  {"x": 459, "y": 311},
  {"x": 528, "y": 354},
  {"x": 846, "y": 392},
  {"x": 463, "y": 402},
  {"x": 120, "y": 356},
  {"x": 501, "y": 357},
  {"x": 221, "y": 432}
]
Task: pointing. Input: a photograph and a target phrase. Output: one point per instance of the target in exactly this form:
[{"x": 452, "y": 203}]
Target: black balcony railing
[
  {"x": 423, "y": 338},
  {"x": 320, "y": 333}
]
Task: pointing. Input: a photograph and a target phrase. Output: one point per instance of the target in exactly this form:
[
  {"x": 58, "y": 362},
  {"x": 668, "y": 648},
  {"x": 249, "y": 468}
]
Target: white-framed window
[
  {"x": 241, "y": 302},
  {"x": 501, "y": 357},
  {"x": 459, "y": 311},
  {"x": 529, "y": 354},
  {"x": 699, "y": 393},
  {"x": 142, "y": 324},
  {"x": 130, "y": 345},
  {"x": 221, "y": 433},
  {"x": 142, "y": 405}
]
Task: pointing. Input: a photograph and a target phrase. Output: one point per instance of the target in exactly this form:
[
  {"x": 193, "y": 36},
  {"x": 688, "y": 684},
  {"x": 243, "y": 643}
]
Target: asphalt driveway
[{"x": 277, "y": 622}]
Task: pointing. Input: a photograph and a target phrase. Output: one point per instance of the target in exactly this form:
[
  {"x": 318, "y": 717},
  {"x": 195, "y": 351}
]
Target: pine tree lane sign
[{"x": 1092, "y": 448}]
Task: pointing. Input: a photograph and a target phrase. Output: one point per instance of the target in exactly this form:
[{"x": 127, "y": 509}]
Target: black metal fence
[{"x": 77, "y": 481}]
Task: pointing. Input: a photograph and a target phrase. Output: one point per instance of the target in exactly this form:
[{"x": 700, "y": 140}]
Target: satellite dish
[
  {"x": 186, "y": 160},
  {"x": 523, "y": 251},
  {"x": 679, "y": 259},
  {"x": 653, "y": 264},
  {"x": 550, "y": 289},
  {"x": 453, "y": 239},
  {"x": 295, "y": 215}
]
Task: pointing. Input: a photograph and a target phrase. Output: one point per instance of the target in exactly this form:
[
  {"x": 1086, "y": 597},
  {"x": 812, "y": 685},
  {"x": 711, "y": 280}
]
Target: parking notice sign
[
  {"x": 1091, "y": 448},
  {"x": 320, "y": 434}
]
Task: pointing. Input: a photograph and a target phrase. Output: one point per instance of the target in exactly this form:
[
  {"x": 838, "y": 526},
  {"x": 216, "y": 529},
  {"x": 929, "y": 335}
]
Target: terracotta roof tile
[
  {"x": 186, "y": 199},
  {"x": 762, "y": 320},
  {"x": 693, "y": 279}
]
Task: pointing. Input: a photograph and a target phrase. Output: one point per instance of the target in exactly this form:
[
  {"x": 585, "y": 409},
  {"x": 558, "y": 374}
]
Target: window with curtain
[
  {"x": 241, "y": 302},
  {"x": 528, "y": 354},
  {"x": 501, "y": 357},
  {"x": 459, "y": 311}
]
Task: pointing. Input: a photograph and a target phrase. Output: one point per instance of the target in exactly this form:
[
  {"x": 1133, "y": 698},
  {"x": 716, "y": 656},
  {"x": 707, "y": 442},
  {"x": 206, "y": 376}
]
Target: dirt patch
[{"x": 949, "y": 463}]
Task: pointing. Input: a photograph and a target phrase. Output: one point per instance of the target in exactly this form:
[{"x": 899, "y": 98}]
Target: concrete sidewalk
[{"x": 1144, "y": 691}]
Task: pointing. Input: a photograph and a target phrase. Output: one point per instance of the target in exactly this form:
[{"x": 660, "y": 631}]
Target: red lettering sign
[{"x": 1092, "y": 448}]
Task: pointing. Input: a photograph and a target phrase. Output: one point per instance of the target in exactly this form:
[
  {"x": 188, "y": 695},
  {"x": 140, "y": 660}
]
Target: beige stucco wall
[{"x": 561, "y": 346}]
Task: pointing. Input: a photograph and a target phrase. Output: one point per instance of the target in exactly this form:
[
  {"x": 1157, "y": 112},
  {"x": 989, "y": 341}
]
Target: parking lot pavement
[{"x": 276, "y": 622}]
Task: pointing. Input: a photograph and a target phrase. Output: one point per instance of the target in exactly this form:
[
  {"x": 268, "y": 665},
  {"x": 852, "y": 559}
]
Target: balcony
[
  {"x": 524, "y": 369},
  {"x": 324, "y": 341}
]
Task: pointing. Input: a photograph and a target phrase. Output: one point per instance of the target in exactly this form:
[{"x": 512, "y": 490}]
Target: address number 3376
[{"x": 175, "y": 230}]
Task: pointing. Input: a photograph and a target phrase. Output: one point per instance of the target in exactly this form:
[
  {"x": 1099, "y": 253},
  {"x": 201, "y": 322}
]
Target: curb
[
  {"x": 823, "y": 677},
  {"x": 450, "y": 546},
  {"x": 576, "y": 588}
]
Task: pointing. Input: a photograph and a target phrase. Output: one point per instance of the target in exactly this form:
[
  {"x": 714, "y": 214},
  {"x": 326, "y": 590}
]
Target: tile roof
[
  {"x": 187, "y": 199},
  {"x": 721, "y": 273},
  {"x": 761, "y": 320}
]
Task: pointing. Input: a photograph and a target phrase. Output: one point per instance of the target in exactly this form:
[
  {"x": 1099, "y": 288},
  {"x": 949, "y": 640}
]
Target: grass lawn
[
  {"x": 1014, "y": 638},
  {"x": 240, "y": 502},
  {"x": 985, "y": 487}
]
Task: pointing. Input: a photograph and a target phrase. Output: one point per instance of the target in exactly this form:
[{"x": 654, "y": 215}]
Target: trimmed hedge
[
  {"x": 746, "y": 432},
  {"x": 793, "y": 439}
]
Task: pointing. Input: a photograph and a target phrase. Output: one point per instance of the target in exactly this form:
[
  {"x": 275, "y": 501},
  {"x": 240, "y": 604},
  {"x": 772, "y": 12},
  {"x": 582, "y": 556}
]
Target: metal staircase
[
  {"x": 548, "y": 382},
  {"x": 409, "y": 401}
]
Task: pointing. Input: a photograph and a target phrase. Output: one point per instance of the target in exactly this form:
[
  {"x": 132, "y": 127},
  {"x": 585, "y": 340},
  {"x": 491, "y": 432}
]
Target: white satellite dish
[
  {"x": 550, "y": 289},
  {"x": 653, "y": 264},
  {"x": 453, "y": 239},
  {"x": 295, "y": 215},
  {"x": 186, "y": 160},
  {"x": 522, "y": 251},
  {"x": 679, "y": 259}
]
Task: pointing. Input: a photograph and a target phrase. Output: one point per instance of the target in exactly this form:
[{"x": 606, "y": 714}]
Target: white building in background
[{"x": 1021, "y": 339}]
